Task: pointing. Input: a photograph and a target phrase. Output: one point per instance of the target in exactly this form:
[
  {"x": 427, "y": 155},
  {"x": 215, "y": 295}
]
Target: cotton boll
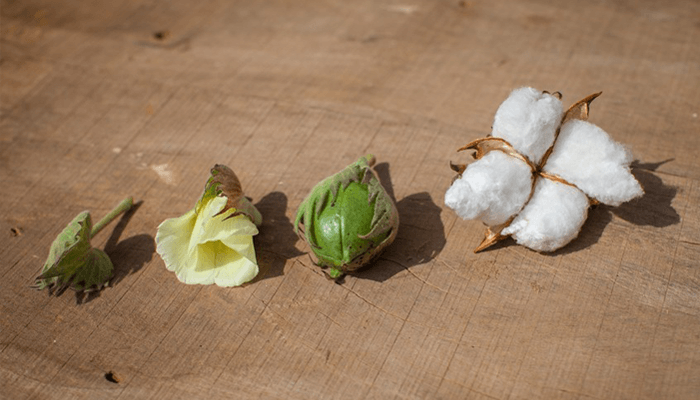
[
  {"x": 528, "y": 120},
  {"x": 587, "y": 157},
  {"x": 552, "y": 218},
  {"x": 491, "y": 189}
]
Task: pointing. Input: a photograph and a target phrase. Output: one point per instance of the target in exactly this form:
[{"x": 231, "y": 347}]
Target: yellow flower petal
[
  {"x": 210, "y": 226},
  {"x": 205, "y": 248},
  {"x": 243, "y": 244},
  {"x": 173, "y": 239},
  {"x": 214, "y": 262}
]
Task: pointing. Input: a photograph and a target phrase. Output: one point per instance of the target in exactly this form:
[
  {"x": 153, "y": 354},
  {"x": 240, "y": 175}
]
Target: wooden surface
[{"x": 104, "y": 99}]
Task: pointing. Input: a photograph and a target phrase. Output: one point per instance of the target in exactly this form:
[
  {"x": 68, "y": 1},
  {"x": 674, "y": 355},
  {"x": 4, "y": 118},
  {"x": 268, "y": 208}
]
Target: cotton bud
[{"x": 73, "y": 262}]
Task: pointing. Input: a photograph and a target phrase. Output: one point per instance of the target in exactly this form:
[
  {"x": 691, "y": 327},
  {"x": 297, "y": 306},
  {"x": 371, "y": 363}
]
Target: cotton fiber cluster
[
  {"x": 587, "y": 157},
  {"x": 492, "y": 189},
  {"x": 552, "y": 218},
  {"x": 528, "y": 120},
  {"x": 538, "y": 184}
]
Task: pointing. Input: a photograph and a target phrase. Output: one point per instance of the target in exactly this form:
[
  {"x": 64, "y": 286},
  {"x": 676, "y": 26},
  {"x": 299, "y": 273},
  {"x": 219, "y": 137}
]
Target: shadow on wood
[
  {"x": 421, "y": 237},
  {"x": 128, "y": 256},
  {"x": 382, "y": 170},
  {"x": 274, "y": 245},
  {"x": 599, "y": 217},
  {"x": 421, "y": 233},
  {"x": 654, "y": 208}
]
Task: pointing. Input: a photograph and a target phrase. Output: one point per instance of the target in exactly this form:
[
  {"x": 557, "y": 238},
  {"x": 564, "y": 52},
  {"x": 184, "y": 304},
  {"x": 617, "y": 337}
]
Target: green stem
[
  {"x": 335, "y": 273},
  {"x": 123, "y": 206}
]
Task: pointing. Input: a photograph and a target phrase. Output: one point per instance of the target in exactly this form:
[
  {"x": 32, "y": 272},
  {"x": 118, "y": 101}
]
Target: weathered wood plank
[{"x": 100, "y": 100}]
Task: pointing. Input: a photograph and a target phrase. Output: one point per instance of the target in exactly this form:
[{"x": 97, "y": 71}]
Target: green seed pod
[{"x": 348, "y": 219}]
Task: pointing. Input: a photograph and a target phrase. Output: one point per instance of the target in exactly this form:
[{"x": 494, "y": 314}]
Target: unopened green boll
[{"x": 348, "y": 219}]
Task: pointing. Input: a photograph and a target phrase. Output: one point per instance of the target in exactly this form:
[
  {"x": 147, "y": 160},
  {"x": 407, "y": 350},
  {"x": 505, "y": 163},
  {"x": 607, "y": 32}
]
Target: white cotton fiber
[
  {"x": 587, "y": 157},
  {"x": 552, "y": 218},
  {"x": 491, "y": 189},
  {"x": 528, "y": 120}
]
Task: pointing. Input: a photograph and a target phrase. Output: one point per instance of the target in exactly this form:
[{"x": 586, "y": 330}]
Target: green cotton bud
[
  {"x": 73, "y": 262},
  {"x": 348, "y": 219}
]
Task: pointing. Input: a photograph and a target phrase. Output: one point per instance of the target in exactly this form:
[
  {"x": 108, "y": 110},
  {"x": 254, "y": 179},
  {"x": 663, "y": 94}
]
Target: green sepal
[
  {"x": 72, "y": 261},
  {"x": 335, "y": 273}
]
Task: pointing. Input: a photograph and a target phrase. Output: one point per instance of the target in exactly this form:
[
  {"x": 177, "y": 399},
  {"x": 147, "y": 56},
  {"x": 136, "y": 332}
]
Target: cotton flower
[
  {"x": 213, "y": 242},
  {"x": 537, "y": 174}
]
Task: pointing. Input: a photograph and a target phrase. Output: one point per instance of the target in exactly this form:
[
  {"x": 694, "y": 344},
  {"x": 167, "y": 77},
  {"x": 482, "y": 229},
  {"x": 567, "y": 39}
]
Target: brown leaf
[
  {"x": 227, "y": 184},
  {"x": 555, "y": 94},
  {"x": 493, "y": 236},
  {"x": 579, "y": 110}
]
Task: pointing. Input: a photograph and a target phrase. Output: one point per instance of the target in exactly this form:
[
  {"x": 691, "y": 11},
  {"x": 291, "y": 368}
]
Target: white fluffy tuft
[
  {"x": 587, "y": 157},
  {"x": 528, "y": 120},
  {"x": 552, "y": 218},
  {"x": 491, "y": 189}
]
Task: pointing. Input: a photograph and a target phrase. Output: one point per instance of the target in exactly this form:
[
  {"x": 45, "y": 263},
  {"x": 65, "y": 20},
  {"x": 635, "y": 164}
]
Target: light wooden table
[{"x": 104, "y": 99}]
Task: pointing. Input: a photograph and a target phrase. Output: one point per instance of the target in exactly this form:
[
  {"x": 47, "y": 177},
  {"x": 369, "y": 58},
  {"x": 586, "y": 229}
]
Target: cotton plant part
[
  {"x": 492, "y": 189},
  {"x": 538, "y": 172},
  {"x": 213, "y": 242},
  {"x": 73, "y": 262},
  {"x": 528, "y": 120},
  {"x": 348, "y": 219}
]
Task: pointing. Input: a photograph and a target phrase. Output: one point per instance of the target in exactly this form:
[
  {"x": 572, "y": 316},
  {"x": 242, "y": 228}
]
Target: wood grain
[{"x": 100, "y": 100}]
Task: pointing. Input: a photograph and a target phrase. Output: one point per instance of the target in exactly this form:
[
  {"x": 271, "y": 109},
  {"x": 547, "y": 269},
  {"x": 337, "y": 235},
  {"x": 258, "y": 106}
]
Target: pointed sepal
[{"x": 73, "y": 262}]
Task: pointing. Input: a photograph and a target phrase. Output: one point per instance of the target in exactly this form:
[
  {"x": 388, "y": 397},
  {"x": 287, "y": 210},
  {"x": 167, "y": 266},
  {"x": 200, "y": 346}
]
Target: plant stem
[{"x": 123, "y": 206}]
